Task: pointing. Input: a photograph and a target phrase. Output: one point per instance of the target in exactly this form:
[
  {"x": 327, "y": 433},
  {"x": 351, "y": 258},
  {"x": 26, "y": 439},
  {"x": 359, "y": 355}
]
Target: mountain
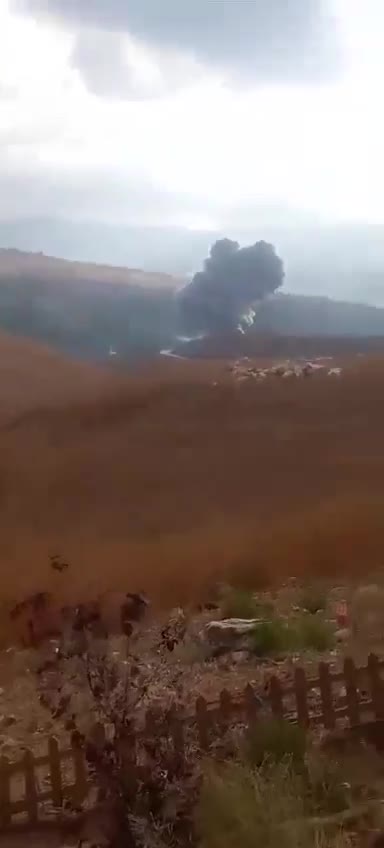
[
  {"x": 90, "y": 310},
  {"x": 84, "y": 308},
  {"x": 344, "y": 261}
]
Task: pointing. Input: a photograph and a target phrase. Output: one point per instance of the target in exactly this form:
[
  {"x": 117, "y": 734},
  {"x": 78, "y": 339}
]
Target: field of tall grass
[{"x": 172, "y": 484}]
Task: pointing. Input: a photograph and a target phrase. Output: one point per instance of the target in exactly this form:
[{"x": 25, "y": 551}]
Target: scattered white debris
[{"x": 243, "y": 371}]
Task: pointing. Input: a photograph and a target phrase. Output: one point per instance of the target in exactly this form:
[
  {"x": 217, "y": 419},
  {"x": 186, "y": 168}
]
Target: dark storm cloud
[{"x": 252, "y": 40}]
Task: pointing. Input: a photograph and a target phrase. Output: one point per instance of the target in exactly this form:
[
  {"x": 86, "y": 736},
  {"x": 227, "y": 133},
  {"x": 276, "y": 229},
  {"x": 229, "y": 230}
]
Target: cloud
[
  {"x": 248, "y": 41},
  {"x": 95, "y": 193},
  {"x": 116, "y": 66}
]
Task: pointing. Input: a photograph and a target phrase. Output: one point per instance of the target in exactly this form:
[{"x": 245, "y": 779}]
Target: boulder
[{"x": 230, "y": 633}]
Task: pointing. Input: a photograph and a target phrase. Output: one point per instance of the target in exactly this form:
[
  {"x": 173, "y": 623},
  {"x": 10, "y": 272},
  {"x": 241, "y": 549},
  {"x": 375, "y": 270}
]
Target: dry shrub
[{"x": 145, "y": 791}]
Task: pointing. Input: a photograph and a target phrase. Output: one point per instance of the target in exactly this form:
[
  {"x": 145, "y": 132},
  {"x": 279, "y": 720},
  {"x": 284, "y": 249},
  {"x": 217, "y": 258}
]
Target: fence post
[
  {"x": 350, "y": 677},
  {"x": 276, "y": 697},
  {"x": 225, "y": 709},
  {"x": 301, "y": 690},
  {"x": 251, "y": 705},
  {"x": 55, "y": 772},
  {"x": 203, "y": 721},
  {"x": 376, "y": 686},
  {"x": 5, "y": 793},
  {"x": 328, "y": 711},
  {"x": 176, "y": 729},
  {"x": 30, "y": 787}
]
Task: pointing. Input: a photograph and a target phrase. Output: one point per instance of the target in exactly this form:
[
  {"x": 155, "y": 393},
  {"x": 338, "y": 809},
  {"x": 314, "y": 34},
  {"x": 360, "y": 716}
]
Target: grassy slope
[
  {"x": 172, "y": 480},
  {"x": 15, "y": 263}
]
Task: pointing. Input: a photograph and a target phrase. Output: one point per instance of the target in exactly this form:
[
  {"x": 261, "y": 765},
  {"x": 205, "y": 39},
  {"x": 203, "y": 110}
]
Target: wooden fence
[{"x": 33, "y": 787}]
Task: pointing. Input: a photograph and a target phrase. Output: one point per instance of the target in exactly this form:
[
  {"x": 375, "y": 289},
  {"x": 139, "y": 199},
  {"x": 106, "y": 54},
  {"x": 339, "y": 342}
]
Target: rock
[{"x": 230, "y": 633}]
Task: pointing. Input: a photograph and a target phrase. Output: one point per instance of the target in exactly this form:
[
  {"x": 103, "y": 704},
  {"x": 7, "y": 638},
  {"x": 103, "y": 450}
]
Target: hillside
[
  {"x": 16, "y": 263},
  {"x": 34, "y": 376},
  {"x": 86, "y": 309},
  {"x": 171, "y": 480}
]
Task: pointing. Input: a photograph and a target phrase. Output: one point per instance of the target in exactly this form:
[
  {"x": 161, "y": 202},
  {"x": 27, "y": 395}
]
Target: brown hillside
[
  {"x": 34, "y": 376},
  {"x": 16, "y": 263},
  {"x": 171, "y": 480}
]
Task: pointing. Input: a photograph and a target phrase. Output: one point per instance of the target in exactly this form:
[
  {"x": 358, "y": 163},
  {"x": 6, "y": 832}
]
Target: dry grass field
[
  {"x": 165, "y": 482},
  {"x": 50, "y": 269}
]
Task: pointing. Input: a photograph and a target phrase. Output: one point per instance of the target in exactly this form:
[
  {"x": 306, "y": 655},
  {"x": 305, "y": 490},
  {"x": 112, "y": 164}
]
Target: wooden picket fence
[{"x": 307, "y": 701}]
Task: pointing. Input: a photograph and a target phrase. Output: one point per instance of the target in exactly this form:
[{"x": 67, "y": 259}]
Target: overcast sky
[{"x": 192, "y": 112}]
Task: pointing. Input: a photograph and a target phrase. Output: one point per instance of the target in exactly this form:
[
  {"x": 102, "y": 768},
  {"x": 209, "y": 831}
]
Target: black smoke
[{"x": 224, "y": 296}]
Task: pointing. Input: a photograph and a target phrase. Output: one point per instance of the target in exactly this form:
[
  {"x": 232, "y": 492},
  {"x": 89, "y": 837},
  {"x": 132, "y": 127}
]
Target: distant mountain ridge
[
  {"x": 89, "y": 310},
  {"x": 14, "y": 262}
]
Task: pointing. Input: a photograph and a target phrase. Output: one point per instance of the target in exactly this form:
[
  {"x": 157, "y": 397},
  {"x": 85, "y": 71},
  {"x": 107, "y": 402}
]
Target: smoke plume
[{"x": 224, "y": 296}]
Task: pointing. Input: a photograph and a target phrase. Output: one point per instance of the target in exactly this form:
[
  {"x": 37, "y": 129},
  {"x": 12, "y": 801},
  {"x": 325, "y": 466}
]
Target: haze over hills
[
  {"x": 344, "y": 261},
  {"x": 86, "y": 309}
]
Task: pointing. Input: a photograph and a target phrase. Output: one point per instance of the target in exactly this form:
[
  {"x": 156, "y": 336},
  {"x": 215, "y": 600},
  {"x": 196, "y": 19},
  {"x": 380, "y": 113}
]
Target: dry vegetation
[
  {"x": 165, "y": 482},
  {"x": 169, "y": 480},
  {"x": 14, "y": 263}
]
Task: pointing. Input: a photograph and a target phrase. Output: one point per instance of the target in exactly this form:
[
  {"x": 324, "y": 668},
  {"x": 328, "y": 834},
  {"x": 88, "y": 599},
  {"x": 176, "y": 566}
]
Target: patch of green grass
[
  {"x": 241, "y": 603},
  {"x": 272, "y": 637},
  {"x": 314, "y": 634},
  {"x": 307, "y": 633},
  {"x": 241, "y": 807},
  {"x": 275, "y": 740}
]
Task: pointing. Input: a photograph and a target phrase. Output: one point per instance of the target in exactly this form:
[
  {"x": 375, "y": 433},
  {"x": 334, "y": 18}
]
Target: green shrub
[
  {"x": 273, "y": 637},
  {"x": 275, "y": 740},
  {"x": 240, "y": 603},
  {"x": 240, "y": 807},
  {"x": 313, "y": 600},
  {"x": 313, "y": 633},
  {"x": 327, "y": 783}
]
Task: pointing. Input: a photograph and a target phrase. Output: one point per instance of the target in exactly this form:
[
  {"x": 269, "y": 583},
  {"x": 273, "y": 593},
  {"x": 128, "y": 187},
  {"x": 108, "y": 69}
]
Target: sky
[{"x": 204, "y": 114}]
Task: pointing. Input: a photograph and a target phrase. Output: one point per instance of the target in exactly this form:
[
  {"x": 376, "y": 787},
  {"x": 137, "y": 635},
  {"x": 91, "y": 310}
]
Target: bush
[
  {"x": 275, "y": 740},
  {"x": 282, "y": 637},
  {"x": 313, "y": 633},
  {"x": 240, "y": 603},
  {"x": 273, "y": 637},
  {"x": 327, "y": 785},
  {"x": 243, "y": 807},
  {"x": 313, "y": 600}
]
